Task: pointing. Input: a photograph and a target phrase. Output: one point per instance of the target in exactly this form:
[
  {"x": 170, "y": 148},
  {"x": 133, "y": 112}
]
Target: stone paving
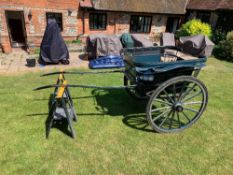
[{"x": 15, "y": 63}]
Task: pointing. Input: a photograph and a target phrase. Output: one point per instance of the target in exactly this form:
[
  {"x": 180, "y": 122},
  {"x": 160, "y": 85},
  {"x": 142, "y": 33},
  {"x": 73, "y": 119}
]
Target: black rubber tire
[{"x": 174, "y": 111}]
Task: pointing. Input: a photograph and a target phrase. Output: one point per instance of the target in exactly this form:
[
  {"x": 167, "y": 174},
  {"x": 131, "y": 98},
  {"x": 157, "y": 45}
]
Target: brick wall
[
  {"x": 36, "y": 26},
  {"x": 110, "y": 28},
  {"x": 118, "y": 23},
  {"x": 159, "y": 23}
]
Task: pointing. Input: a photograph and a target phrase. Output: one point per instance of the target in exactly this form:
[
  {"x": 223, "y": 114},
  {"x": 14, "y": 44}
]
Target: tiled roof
[
  {"x": 144, "y": 6},
  {"x": 210, "y": 5},
  {"x": 226, "y": 5}
]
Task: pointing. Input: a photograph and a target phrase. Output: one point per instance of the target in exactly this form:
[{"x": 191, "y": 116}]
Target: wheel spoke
[
  {"x": 156, "y": 118},
  {"x": 165, "y": 99},
  {"x": 182, "y": 91},
  {"x": 158, "y": 109},
  {"x": 193, "y": 96},
  {"x": 161, "y": 101},
  {"x": 193, "y": 103},
  {"x": 168, "y": 96},
  {"x": 174, "y": 91},
  {"x": 186, "y": 116},
  {"x": 188, "y": 91},
  {"x": 189, "y": 109},
  {"x": 165, "y": 119},
  {"x": 178, "y": 117},
  {"x": 173, "y": 114}
]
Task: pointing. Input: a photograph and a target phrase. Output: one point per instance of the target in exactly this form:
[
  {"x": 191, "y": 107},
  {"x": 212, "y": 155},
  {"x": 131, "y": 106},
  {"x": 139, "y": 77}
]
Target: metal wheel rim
[{"x": 176, "y": 106}]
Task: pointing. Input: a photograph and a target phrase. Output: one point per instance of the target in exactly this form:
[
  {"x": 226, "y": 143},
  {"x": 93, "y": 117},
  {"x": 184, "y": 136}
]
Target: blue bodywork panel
[
  {"x": 150, "y": 59},
  {"x": 141, "y": 62}
]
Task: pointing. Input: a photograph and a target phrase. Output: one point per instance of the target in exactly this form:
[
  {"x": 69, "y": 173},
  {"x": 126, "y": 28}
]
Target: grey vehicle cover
[
  {"x": 167, "y": 39},
  {"x": 99, "y": 45},
  {"x": 141, "y": 40},
  {"x": 199, "y": 45}
]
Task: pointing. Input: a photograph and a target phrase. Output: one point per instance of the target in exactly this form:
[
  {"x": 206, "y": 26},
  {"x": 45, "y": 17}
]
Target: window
[
  {"x": 140, "y": 24},
  {"x": 57, "y": 17},
  {"x": 172, "y": 24},
  {"x": 203, "y": 16},
  {"x": 225, "y": 21},
  {"x": 98, "y": 21}
]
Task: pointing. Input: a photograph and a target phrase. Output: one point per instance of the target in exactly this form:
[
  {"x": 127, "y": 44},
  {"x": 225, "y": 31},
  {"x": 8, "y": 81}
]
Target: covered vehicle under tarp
[
  {"x": 127, "y": 40},
  {"x": 99, "y": 45},
  {"x": 53, "y": 48},
  {"x": 167, "y": 39},
  {"x": 142, "y": 40},
  {"x": 199, "y": 45}
]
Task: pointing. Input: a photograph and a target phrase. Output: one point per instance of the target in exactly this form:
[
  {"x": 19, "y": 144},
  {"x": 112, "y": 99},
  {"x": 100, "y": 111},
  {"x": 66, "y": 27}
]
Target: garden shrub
[
  {"x": 195, "y": 27},
  {"x": 218, "y": 35},
  {"x": 77, "y": 41},
  {"x": 37, "y": 51},
  {"x": 225, "y": 48}
]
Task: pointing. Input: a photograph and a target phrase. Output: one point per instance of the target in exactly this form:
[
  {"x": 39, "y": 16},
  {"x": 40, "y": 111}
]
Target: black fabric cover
[{"x": 53, "y": 48}]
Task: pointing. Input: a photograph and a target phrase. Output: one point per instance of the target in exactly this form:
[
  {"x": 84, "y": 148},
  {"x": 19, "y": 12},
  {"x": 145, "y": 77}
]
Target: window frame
[
  {"x": 149, "y": 23},
  {"x": 60, "y": 24},
  {"x": 203, "y": 15},
  {"x": 99, "y": 19},
  {"x": 221, "y": 22}
]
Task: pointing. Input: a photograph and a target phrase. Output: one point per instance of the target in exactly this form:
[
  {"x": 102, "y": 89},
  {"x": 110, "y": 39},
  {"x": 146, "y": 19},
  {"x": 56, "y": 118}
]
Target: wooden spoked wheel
[{"x": 177, "y": 104}]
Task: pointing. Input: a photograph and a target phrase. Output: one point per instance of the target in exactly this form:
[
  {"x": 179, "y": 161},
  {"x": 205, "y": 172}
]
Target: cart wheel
[
  {"x": 177, "y": 104},
  {"x": 135, "y": 92}
]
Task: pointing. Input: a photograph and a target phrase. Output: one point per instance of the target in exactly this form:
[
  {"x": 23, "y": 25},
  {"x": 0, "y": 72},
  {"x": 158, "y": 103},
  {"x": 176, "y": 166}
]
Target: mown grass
[
  {"x": 111, "y": 138},
  {"x": 77, "y": 41}
]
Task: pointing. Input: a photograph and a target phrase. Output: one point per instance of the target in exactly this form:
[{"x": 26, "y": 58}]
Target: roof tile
[
  {"x": 144, "y": 6},
  {"x": 210, "y": 5}
]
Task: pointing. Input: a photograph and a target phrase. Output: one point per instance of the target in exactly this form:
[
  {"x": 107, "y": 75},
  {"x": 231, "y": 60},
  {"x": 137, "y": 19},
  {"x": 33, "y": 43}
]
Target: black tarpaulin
[{"x": 53, "y": 48}]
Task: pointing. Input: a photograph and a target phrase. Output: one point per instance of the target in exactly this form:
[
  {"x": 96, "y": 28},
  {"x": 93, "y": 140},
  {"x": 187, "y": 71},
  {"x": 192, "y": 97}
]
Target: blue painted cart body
[
  {"x": 177, "y": 99},
  {"x": 145, "y": 65}
]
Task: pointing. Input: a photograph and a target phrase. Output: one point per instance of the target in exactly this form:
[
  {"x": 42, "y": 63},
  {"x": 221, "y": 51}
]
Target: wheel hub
[{"x": 178, "y": 107}]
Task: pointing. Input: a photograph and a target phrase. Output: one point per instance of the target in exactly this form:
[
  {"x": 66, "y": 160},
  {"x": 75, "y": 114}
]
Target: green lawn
[{"x": 110, "y": 138}]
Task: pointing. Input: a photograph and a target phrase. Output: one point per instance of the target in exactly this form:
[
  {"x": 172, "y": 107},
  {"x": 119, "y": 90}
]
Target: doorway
[
  {"x": 172, "y": 24},
  {"x": 16, "y": 28}
]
